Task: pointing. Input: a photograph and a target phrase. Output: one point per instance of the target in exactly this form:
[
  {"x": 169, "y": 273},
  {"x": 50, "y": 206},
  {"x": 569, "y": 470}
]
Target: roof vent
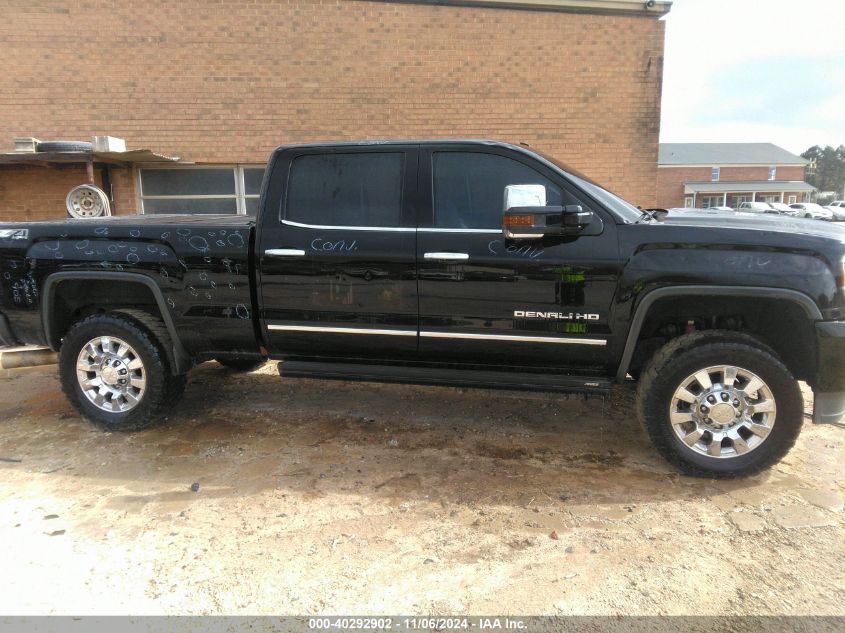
[
  {"x": 26, "y": 144},
  {"x": 108, "y": 144}
]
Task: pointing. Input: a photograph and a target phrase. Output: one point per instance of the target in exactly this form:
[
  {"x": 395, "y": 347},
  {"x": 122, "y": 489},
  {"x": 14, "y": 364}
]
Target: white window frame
[
  {"x": 811, "y": 167},
  {"x": 240, "y": 196},
  {"x": 715, "y": 171},
  {"x": 707, "y": 201},
  {"x": 793, "y": 200},
  {"x": 689, "y": 201},
  {"x": 773, "y": 172}
]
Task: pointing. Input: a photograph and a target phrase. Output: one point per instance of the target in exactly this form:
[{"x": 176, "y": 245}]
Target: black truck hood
[{"x": 757, "y": 222}]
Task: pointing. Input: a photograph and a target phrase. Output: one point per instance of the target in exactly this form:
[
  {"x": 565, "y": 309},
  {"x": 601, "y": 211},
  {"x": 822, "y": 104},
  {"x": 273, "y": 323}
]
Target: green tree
[{"x": 827, "y": 169}]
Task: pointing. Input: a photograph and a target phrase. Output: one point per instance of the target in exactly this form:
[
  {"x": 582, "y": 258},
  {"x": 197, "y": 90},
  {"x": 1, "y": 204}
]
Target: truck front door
[
  {"x": 337, "y": 238},
  {"x": 488, "y": 300}
]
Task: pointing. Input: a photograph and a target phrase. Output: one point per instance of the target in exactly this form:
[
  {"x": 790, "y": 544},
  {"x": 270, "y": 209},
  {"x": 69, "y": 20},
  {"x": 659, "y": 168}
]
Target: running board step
[{"x": 482, "y": 379}]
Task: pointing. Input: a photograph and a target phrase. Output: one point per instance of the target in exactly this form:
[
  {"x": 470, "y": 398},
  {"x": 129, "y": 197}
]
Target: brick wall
[
  {"x": 758, "y": 173},
  {"x": 670, "y": 184},
  {"x": 226, "y": 81},
  {"x": 670, "y": 180},
  {"x": 38, "y": 193},
  {"x": 124, "y": 200}
]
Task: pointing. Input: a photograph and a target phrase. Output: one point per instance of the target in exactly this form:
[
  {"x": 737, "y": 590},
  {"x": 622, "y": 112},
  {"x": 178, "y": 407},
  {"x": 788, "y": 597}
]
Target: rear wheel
[
  {"x": 719, "y": 404},
  {"x": 115, "y": 371}
]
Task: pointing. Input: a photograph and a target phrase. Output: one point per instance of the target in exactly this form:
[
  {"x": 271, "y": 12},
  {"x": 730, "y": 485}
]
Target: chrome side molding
[{"x": 284, "y": 252}]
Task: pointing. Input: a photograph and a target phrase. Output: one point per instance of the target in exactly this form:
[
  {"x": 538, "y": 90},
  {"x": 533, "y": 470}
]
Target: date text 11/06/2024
[{"x": 417, "y": 624}]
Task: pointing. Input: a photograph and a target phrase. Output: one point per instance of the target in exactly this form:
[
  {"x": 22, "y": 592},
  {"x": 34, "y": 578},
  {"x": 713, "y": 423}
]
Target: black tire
[
  {"x": 65, "y": 146},
  {"x": 680, "y": 358},
  {"x": 240, "y": 364},
  {"x": 162, "y": 389},
  {"x": 174, "y": 383}
]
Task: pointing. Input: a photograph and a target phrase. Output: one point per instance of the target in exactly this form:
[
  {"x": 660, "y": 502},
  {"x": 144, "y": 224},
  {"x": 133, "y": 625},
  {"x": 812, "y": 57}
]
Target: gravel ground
[{"x": 333, "y": 497}]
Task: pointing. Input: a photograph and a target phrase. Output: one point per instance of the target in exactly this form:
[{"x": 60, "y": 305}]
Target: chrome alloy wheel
[
  {"x": 722, "y": 411},
  {"x": 111, "y": 374}
]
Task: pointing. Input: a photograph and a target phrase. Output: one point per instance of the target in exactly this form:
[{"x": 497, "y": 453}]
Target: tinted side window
[
  {"x": 469, "y": 188},
  {"x": 346, "y": 189}
]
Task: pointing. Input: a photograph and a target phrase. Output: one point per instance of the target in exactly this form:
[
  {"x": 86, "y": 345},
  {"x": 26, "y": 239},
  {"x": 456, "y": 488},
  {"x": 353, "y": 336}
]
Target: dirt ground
[{"x": 331, "y": 497}]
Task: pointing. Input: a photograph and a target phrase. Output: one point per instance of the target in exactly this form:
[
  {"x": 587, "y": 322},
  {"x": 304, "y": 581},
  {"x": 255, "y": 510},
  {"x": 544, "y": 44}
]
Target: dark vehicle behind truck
[{"x": 469, "y": 263}]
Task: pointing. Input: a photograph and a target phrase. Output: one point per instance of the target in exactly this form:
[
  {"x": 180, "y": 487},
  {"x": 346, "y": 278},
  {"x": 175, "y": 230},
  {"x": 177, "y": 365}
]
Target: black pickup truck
[{"x": 469, "y": 263}]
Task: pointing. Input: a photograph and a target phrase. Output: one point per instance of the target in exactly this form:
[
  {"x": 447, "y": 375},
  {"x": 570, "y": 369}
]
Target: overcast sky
[{"x": 755, "y": 71}]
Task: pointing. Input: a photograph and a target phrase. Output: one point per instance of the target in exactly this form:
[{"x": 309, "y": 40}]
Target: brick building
[
  {"x": 219, "y": 83},
  {"x": 727, "y": 174}
]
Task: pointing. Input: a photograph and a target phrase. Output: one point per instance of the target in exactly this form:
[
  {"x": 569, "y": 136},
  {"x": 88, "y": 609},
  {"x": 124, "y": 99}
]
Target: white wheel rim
[
  {"x": 86, "y": 201},
  {"x": 111, "y": 374},
  {"x": 722, "y": 411}
]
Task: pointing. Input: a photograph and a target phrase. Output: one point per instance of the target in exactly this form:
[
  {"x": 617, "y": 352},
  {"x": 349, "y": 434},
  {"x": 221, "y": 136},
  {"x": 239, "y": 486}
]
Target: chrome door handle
[
  {"x": 284, "y": 252},
  {"x": 460, "y": 257}
]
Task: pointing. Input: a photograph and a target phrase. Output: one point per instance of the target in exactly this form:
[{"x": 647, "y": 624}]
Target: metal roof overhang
[
  {"x": 52, "y": 159},
  {"x": 761, "y": 186},
  {"x": 630, "y": 7}
]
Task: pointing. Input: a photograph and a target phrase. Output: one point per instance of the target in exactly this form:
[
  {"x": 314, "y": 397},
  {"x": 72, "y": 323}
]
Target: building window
[
  {"x": 773, "y": 172},
  {"x": 688, "y": 202},
  {"x": 714, "y": 174},
  {"x": 708, "y": 202},
  {"x": 793, "y": 199},
  {"x": 195, "y": 190}
]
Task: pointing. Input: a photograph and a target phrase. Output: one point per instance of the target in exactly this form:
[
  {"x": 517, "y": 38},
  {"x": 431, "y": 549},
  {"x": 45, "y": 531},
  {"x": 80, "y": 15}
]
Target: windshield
[
  {"x": 625, "y": 210},
  {"x": 628, "y": 212}
]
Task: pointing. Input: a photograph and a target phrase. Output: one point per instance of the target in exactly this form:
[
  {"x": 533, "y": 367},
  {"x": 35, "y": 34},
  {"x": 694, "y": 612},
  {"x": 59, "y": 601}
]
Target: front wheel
[
  {"x": 115, "y": 372},
  {"x": 720, "y": 404}
]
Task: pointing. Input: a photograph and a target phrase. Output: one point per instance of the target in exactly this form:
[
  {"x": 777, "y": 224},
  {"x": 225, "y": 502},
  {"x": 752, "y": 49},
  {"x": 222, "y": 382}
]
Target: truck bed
[{"x": 200, "y": 264}]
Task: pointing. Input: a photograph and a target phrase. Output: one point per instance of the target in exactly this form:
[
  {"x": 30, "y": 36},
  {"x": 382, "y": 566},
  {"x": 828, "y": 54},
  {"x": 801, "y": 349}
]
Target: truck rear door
[{"x": 337, "y": 253}]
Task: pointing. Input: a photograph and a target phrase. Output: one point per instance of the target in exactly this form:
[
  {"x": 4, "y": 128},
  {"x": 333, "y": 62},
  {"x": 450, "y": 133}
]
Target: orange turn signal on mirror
[{"x": 518, "y": 220}]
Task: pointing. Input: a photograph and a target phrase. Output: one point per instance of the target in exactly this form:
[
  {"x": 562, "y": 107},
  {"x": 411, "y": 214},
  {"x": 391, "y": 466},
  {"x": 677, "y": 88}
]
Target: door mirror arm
[{"x": 538, "y": 221}]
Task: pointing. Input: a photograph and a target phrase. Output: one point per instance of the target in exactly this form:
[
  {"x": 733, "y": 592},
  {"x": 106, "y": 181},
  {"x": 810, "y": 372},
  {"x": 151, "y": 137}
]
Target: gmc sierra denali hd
[{"x": 469, "y": 263}]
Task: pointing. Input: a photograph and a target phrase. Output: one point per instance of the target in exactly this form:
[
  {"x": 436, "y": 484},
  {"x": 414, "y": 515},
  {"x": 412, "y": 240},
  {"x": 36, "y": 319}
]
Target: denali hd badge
[{"x": 555, "y": 316}]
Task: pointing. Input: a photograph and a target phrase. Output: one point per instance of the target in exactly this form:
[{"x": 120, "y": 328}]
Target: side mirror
[
  {"x": 535, "y": 222},
  {"x": 526, "y": 215}
]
